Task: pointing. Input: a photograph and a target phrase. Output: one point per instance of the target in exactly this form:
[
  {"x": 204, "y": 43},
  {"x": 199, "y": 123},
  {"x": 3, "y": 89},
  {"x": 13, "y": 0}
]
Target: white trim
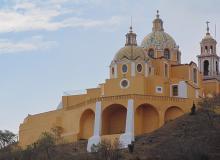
[
  {"x": 182, "y": 90},
  {"x": 197, "y": 93},
  {"x": 123, "y": 86},
  {"x": 156, "y": 89},
  {"x": 116, "y": 71},
  {"x": 132, "y": 69},
  {"x": 96, "y": 139},
  {"x": 146, "y": 70},
  {"x": 127, "y": 138}
]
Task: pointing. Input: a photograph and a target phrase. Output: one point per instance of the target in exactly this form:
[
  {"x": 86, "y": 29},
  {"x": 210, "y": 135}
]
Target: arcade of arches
[{"x": 146, "y": 118}]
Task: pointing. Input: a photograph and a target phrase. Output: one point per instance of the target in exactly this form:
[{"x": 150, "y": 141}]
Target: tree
[
  {"x": 7, "y": 138},
  {"x": 46, "y": 144}
]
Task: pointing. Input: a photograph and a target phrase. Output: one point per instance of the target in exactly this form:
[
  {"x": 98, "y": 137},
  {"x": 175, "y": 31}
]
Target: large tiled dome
[{"x": 158, "y": 39}]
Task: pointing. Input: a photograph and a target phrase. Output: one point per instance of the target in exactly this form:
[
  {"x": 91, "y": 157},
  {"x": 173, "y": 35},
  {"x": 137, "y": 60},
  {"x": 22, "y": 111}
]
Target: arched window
[
  {"x": 216, "y": 65},
  {"x": 167, "y": 53},
  {"x": 194, "y": 75},
  {"x": 151, "y": 53},
  {"x": 211, "y": 49},
  {"x": 206, "y": 49},
  {"x": 206, "y": 68},
  {"x": 113, "y": 70}
]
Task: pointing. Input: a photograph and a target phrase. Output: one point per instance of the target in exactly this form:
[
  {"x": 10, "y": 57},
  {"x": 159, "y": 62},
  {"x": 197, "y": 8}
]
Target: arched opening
[
  {"x": 114, "y": 119},
  {"x": 211, "y": 49},
  {"x": 216, "y": 67},
  {"x": 206, "y": 49},
  {"x": 87, "y": 124},
  {"x": 146, "y": 119},
  {"x": 172, "y": 113},
  {"x": 167, "y": 53},
  {"x": 151, "y": 53},
  {"x": 206, "y": 68}
]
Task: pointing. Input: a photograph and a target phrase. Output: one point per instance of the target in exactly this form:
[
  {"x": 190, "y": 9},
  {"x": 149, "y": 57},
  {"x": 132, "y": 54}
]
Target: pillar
[
  {"x": 96, "y": 139},
  {"x": 161, "y": 118},
  {"x": 128, "y": 136},
  {"x": 132, "y": 69}
]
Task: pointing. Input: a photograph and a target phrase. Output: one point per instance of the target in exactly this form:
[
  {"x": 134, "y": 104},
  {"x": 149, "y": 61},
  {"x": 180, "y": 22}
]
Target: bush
[{"x": 107, "y": 150}]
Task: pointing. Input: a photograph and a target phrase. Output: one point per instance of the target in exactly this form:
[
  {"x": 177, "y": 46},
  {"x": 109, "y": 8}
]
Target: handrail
[{"x": 128, "y": 96}]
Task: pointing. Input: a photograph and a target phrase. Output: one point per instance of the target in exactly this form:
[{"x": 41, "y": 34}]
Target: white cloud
[
  {"x": 31, "y": 44},
  {"x": 50, "y": 15}
]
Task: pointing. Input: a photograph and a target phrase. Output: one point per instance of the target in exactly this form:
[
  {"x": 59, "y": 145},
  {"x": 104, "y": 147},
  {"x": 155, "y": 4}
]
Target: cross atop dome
[
  {"x": 158, "y": 16},
  {"x": 207, "y": 23}
]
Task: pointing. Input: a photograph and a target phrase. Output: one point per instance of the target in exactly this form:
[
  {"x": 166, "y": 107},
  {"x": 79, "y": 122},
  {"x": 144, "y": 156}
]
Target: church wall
[
  {"x": 72, "y": 100},
  {"x": 210, "y": 87},
  {"x": 33, "y": 126},
  {"x": 112, "y": 86},
  {"x": 180, "y": 72}
]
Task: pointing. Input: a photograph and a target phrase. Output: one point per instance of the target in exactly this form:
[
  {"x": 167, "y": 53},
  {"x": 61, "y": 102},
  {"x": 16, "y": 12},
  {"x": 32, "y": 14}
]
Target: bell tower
[{"x": 208, "y": 59}]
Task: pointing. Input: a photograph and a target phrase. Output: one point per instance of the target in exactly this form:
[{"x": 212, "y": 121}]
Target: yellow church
[{"x": 147, "y": 86}]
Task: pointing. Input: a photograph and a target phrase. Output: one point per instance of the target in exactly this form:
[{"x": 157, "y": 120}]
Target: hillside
[{"x": 190, "y": 137}]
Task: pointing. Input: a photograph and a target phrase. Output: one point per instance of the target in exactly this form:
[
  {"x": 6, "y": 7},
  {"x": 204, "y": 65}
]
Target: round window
[
  {"x": 124, "y": 83},
  {"x": 124, "y": 68},
  {"x": 139, "y": 68}
]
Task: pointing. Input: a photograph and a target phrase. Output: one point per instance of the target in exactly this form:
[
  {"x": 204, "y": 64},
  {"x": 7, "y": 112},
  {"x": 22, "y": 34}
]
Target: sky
[{"x": 48, "y": 47}]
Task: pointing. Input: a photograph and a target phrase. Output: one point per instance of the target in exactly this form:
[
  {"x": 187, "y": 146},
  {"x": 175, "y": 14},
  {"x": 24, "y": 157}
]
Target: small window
[
  {"x": 167, "y": 53},
  {"x": 175, "y": 90},
  {"x": 159, "y": 89},
  {"x": 124, "y": 68},
  {"x": 194, "y": 75},
  {"x": 139, "y": 68},
  {"x": 211, "y": 49},
  {"x": 151, "y": 53},
  {"x": 149, "y": 71},
  {"x": 124, "y": 83}
]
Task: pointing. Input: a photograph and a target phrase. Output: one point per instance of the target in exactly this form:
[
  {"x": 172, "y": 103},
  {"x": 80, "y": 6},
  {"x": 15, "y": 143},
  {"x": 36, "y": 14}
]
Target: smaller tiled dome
[{"x": 130, "y": 53}]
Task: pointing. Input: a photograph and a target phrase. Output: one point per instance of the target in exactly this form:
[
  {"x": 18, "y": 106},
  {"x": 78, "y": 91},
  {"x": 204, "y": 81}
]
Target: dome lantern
[
  {"x": 131, "y": 38},
  {"x": 158, "y": 23}
]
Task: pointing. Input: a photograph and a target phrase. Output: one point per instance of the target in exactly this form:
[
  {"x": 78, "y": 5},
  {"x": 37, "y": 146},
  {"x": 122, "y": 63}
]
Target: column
[
  {"x": 161, "y": 118},
  {"x": 96, "y": 139},
  {"x": 128, "y": 136}
]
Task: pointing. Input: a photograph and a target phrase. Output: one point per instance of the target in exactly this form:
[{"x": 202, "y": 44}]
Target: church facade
[{"x": 148, "y": 86}]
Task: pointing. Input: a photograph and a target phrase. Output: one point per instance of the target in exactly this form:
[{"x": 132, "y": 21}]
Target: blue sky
[{"x": 51, "y": 46}]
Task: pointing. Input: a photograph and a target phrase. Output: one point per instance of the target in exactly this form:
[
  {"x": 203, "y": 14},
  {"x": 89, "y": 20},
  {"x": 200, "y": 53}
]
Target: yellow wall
[{"x": 152, "y": 109}]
